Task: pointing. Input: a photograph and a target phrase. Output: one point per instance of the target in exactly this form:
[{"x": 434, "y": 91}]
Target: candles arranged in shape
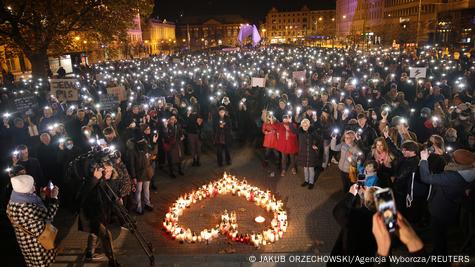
[{"x": 228, "y": 226}]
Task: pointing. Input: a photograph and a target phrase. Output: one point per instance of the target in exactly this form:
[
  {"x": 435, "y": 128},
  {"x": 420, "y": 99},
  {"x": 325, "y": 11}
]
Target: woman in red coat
[
  {"x": 269, "y": 129},
  {"x": 287, "y": 143}
]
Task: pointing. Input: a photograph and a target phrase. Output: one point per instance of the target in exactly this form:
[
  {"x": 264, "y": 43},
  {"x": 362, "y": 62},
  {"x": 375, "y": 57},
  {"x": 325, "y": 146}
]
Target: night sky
[{"x": 254, "y": 10}]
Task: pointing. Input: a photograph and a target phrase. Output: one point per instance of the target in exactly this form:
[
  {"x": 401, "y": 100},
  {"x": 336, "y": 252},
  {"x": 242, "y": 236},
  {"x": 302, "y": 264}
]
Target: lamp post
[{"x": 418, "y": 22}]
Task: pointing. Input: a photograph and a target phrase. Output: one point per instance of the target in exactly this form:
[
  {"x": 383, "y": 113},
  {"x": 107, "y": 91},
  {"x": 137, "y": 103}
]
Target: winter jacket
[
  {"x": 140, "y": 161},
  {"x": 447, "y": 190},
  {"x": 348, "y": 156},
  {"x": 287, "y": 142},
  {"x": 270, "y": 135},
  {"x": 32, "y": 218},
  {"x": 309, "y": 157},
  {"x": 355, "y": 236}
]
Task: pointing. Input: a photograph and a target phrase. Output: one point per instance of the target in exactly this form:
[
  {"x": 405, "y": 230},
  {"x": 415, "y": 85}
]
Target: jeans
[
  {"x": 194, "y": 145},
  {"x": 345, "y": 180},
  {"x": 292, "y": 164},
  {"x": 326, "y": 153},
  {"x": 220, "y": 149},
  {"x": 106, "y": 240},
  {"x": 142, "y": 186},
  {"x": 309, "y": 174}
]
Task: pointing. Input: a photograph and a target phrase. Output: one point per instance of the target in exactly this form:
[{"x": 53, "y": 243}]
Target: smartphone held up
[{"x": 386, "y": 206}]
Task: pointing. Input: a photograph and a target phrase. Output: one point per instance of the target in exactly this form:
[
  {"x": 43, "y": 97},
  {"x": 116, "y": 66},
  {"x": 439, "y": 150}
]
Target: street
[{"x": 312, "y": 229}]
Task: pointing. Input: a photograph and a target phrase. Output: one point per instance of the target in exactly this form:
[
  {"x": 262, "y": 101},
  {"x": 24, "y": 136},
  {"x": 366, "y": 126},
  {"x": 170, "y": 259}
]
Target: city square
[{"x": 206, "y": 133}]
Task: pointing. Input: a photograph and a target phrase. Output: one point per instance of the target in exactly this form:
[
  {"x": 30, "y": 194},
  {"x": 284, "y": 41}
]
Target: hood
[{"x": 468, "y": 175}]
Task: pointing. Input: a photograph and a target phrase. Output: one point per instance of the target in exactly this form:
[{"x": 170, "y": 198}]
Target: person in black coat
[
  {"x": 410, "y": 191},
  {"x": 193, "y": 129},
  {"x": 172, "y": 139},
  {"x": 95, "y": 213},
  {"x": 32, "y": 165},
  {"x": 355, "y": 220},
  {"x": 222, "y": 136},
  {"x": 309, "y": 153},
  {"x": 447, "y": 193},
  {"x": 365, "y": 134},
  {"x": 66, "y": 153},
  {"x": 46, "y": 153}
]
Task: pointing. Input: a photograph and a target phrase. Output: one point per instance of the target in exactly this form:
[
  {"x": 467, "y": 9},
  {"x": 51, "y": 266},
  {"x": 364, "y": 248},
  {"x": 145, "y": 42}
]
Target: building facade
[
  {"x": 367, "y": 22},
  {"x": 211, "y": 31},
  {"x": 159, "y": 36},
  {"x": 304, "y": 26}
]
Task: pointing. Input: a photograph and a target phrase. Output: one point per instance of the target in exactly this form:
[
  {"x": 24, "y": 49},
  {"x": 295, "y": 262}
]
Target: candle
[{"x": 260, "y": 219}]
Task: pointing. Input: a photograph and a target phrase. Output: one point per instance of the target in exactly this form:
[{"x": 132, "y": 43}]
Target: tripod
[{"x": 130, "y": 223}]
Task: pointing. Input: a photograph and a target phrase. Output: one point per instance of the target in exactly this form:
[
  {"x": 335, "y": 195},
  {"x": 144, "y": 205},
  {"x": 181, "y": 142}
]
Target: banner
[
  {"x": 419, "y": 72},
  {"x": 109, "y": 102},
  {"x": 258, "y": 82},
  {"x": 64, "y": 89},
  {"x": 24, "y": 102},
  {"x": 299, "y": 75},
  {"x": 118, "y": 91}
]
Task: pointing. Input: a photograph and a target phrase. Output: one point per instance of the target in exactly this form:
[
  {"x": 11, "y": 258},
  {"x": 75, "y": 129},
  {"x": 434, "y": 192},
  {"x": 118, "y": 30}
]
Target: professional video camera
[{"x": 83, "y": 166}]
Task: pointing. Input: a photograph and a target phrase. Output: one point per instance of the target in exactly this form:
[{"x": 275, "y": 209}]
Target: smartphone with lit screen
[{"x": 386, "y": 206}]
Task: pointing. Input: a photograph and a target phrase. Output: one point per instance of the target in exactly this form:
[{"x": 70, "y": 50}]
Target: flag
[{"x": 418, "y": 72}]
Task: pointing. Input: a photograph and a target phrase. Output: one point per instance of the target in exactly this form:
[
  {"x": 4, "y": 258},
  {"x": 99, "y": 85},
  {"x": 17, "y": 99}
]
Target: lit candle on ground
[{"x": 260, "y": 219}]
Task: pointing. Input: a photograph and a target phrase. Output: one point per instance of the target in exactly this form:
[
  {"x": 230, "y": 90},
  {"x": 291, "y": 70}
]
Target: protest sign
[
  {"x": 109, "y": 102},
  {"x": 25, "y": 102},
  {"x": 299, "y": 75},
  {"x": 118, "y": 91},
  {"x": 64, "y": 89},
  {"x": 258, "y": 82},
  {"x": 419, "y": 72}
]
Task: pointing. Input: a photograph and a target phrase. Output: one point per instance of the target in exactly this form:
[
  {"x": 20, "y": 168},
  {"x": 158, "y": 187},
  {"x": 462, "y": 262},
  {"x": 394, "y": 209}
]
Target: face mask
[{"x": 69, "y": 146}]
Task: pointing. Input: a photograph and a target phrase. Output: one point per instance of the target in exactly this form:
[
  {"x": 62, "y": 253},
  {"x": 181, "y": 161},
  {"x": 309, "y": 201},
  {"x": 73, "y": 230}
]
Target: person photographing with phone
[
  {"x": 31, "y": 217},
  {"x": 448, "y": 188}
]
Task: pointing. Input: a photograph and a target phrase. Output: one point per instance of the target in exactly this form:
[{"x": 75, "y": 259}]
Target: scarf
[{"x": 29, "y": 198}]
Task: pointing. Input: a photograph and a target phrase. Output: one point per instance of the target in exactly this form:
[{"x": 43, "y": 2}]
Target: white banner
[
  {"x": 299, "y": 75},
  {"x": 64, "y": 89},
  {"x": 258, "y": 82},
  {"x": 419, "y": 72}
]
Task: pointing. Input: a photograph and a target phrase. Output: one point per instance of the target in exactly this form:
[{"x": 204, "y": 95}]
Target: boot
[
  {"x": 194, "y": 162},
  {"x": 198, "y": 161}
]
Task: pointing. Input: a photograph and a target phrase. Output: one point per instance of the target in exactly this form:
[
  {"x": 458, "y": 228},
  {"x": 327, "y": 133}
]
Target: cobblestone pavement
[{"x": 312, "y": 229}]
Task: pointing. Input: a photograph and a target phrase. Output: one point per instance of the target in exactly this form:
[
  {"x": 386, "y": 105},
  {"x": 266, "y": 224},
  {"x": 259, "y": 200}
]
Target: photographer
[{"x": 95, "y": 212}]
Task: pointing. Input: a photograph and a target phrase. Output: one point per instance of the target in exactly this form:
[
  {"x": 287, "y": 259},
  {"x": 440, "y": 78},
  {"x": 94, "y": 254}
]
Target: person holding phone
[
  {"x": 29, "y": 215},
  {"x": 354, "y": 214},
  {"x": 349, "y": 153},
  {"x": 447, "y": 193},
  {"x": 403, "y": 231}
]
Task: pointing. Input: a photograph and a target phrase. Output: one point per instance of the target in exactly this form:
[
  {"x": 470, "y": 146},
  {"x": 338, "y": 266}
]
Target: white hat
[{"x": 23, "y": 183}]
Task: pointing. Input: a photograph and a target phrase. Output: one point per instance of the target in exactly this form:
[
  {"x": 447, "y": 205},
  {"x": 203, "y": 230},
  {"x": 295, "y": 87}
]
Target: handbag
[{"x": 46, "y": 239}]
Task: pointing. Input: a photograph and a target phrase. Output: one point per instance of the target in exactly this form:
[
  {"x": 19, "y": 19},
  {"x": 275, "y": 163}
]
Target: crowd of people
[{"x": 365, "y": 112}]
